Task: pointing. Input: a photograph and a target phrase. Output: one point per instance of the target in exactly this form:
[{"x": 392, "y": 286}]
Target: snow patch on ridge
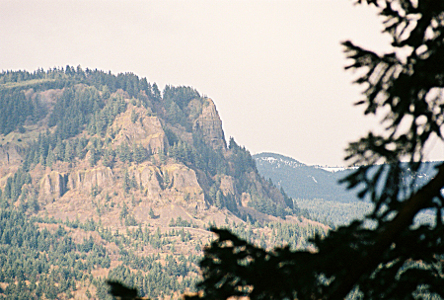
[
  {"x": 335, "y": 169},
  {"x": 278, "y": 162}
]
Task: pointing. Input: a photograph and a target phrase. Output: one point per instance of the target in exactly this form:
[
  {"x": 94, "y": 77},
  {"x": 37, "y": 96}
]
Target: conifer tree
[
  {"x": 391, "y": 259},
  {"x": 126, "y": 182},
  {"x": 93, "y": 157},
  {"x": 59, "y": 150},
  {"x": 125, "y": 154},
  {"x": 69, "y": 152},
  {"x": 51, "y": 157},
  {"x": 42, "y": 160},
  {"x": 80, "y": 149}
]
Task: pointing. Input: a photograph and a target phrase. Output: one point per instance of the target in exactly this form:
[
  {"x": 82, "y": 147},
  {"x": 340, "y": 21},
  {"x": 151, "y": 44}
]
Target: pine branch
[{"x": 387, "y": 235}]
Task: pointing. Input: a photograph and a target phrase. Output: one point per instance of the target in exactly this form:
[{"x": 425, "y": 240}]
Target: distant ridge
[
  {"x": 301, "y": 181},
  {"x": 274, "y": 158}
]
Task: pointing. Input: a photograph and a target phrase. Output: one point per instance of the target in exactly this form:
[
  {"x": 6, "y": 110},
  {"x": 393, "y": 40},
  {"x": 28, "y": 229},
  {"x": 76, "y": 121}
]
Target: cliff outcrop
[
  {"x": 171, "y": 183},
  {"x": 135, "y": 125},
  {"x": 209, "y": 124},
  {"x": 10, "y": 155},
  {"x": 93, "y": 147},
  {"x": 85, "y": 180},
  {"x": 55, "y": 184}
]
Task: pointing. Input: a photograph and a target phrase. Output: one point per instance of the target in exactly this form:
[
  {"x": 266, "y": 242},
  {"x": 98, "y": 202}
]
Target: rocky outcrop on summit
[
  {"x": 93, "y": 147},
  {"x": 209, "y": 125},
  {"x": 135, "y": 126}
]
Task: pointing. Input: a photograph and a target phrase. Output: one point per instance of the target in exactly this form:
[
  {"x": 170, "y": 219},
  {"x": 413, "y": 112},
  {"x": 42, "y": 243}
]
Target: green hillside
[{"x": 103, "y": 176}]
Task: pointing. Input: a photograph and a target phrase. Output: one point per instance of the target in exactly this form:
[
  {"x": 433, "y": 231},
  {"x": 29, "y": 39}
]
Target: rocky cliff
[
  {"x": 94, "y": 146},
  {"x": 104, "y": 176},
  {"x": 209, "y": 124}
]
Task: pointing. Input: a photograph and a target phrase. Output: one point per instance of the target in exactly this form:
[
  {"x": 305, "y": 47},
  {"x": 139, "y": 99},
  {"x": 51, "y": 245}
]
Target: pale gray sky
[{"x": 274, "y": 68}]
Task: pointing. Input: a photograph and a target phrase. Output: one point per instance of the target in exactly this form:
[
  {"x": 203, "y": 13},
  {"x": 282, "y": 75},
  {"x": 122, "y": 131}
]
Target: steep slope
[
  {"x": 121, "y": 181},
  {"x": 86, "y": 135}
]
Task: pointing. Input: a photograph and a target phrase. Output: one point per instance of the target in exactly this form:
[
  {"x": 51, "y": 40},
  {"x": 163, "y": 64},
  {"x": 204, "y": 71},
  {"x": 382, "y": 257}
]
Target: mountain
[
  {"x": 103, "y": 176},
  {"x": 317, "y": 189},
  {"x": 82, "y": 133},
  {"x": 301, "y": 181}
]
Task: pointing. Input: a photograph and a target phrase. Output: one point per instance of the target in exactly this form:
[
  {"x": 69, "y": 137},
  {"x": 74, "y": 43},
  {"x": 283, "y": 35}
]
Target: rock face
[
  {"x": 210, "y": 125},
  {"x": 53, "y": 185},
  {"x": 227, "y": 185},
  {"x": 10, "y": 155},
  {"x": 145, "y": 130},
  {"x": 171, "y": 183},
  {"x": 174, "y": 183},
  {"x": 184, "y": 180},
  {"x": 85, "y": 180}
]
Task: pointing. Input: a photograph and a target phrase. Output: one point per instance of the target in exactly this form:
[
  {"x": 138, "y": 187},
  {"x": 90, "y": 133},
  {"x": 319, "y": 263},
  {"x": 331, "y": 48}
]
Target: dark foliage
[
  {"x": 176, "y": 100},
  {"x": 15, "y": 109},
  {"x": 382, "y": 256},
  {"x": 122, "y": 292}
]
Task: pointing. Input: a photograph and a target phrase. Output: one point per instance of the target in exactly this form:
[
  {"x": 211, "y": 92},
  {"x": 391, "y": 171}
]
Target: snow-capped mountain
[{"x": 301, "y": 181}]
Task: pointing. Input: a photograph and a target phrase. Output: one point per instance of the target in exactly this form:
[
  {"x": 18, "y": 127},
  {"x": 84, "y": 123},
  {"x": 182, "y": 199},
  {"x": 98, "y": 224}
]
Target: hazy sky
[{"x": 273, "y": 68}]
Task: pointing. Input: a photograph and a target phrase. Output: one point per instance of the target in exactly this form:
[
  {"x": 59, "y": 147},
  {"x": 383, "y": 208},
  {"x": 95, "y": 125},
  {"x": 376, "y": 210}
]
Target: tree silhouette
[
  {"x": 121, "y": 291},
  {"x": 385, "y": 255},
  {"x": 390, "y": 258}
]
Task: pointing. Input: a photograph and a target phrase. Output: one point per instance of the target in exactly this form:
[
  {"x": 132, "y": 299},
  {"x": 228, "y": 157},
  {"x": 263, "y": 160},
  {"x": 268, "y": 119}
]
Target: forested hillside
[
  {"x": 319, "y": 191},
  {"x": 301, "y": 181},
  {"x": 104, "y": 176}
]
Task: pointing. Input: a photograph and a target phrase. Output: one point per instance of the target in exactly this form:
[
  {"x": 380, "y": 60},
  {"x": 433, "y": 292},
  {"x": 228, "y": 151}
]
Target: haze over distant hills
[
  {"x": 301, "y": 181},
  {"x": 317, "y": 189}
]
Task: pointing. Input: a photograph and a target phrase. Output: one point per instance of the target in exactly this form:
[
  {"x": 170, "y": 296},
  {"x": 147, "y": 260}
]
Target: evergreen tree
[
  {"x": 156, "y": 92},
  {"x": 51, "y": 159},
  {"x": 139, "y": 153},
  {"x": 126, "y": 182},
  {"x": 93, "y": 157},
  {"x": 59, "y": 150},
  {"x": 69, "y": 152},
  {"x": 134, "y": 116},
  {"x": 109, "y": 158},
  {"x": 391, "y": 259},
  {"x": 80, "y": 148},
  {"x": 124, "y": 212},
  {"x": 125, "y": 154}
]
